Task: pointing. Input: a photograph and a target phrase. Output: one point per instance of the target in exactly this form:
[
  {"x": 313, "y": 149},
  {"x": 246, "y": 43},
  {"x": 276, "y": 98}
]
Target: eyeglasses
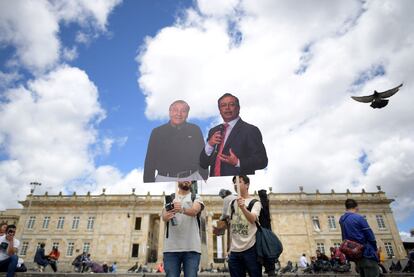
[{"x": 11, "y": 232}]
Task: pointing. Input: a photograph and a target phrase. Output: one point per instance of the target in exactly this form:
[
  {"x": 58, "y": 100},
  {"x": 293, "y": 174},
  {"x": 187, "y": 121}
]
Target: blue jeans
[
  {"x": 189, "y": 260},
  {"x": 244, "y": 262},
  {"x": 9, "y": 265}
]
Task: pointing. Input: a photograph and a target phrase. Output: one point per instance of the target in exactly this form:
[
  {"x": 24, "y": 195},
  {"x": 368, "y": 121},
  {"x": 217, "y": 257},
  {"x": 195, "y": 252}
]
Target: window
[
  {"x": 337, "y": 244},
  {"x": 321, "y": 247},
  {"x": 31, "y": 222},
  {"x": 137, "y": 223},
  {"x": 380, "y": 221},
  {"x": 389, "y": 249},
  {"x": 91, "y": 221},
  {"x": 61, "y": 222},
  {"x": 55, "y": 244},
  {"x": 75, "y": 222},
  {"x": 135, "y": 250},
  {"x": 24, "y": 248},
  {"x": 46, "y": 221},
  {"x": 316, "y": 224},
  {"x": 86, "y": 247},
  {"x": 69, "y": 251},
  {"x": 331, "y": 222}
]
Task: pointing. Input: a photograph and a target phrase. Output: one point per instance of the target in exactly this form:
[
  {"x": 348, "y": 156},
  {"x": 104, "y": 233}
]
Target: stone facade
[
  {"x": 10, "y": 216},
  {"x": 128, "y": 229}
]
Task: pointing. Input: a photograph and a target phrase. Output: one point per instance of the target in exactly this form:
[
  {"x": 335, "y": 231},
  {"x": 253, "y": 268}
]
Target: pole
[{"x": 32, "y": 190}]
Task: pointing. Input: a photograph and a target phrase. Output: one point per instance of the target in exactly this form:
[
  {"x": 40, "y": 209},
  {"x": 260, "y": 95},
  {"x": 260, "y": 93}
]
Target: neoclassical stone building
[{"x": 128, "y": 229}]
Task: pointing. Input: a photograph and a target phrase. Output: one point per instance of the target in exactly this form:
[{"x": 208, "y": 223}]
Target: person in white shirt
[
  {"x": 243, "y": 257},
  {"x": 303, "y": 262},
  {"x": 8, "y": 251},
  {"x": 182, "y": 242}
]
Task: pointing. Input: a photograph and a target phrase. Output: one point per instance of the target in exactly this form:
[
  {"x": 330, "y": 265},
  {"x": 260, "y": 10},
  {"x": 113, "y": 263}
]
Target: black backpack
[{"x": 268, "y": 245}]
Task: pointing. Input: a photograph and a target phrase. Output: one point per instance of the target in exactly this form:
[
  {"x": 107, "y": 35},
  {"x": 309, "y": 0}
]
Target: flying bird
[{"x": 377, "y": 99}]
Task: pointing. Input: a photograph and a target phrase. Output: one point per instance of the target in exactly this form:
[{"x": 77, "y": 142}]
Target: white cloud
[
  {"x": 294, "y": 65},
  {"x": 32, "y": 27},
  {"x": 115, "y": 182},
  {"x": 108, "y": 142},
  {"x": 406, "y": 236},
  {"x": 86, "y": 12},
  {"x": 217, "y": 7},
  {"x": 69, "y": 54},
  {"x": 48, "y": 127},
  {"x": 46, "y": 131}
]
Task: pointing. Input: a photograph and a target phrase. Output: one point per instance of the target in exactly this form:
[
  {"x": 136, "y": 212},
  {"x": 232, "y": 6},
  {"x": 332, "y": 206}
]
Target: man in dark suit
[
  {"x": 173, "y": 148},
  {"x": 234, "y": 147}
]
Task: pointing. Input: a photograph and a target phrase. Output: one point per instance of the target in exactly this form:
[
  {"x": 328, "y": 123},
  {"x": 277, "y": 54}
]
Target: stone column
[
  {"x": 145, "y": 225},
  {"x": 161, "y": 237},
  {"x": 309, "y": 231},
  {"x": 226, "y": 242},
  {"x": 399, "y": 248},
  {"x": 210, "y": 239}
]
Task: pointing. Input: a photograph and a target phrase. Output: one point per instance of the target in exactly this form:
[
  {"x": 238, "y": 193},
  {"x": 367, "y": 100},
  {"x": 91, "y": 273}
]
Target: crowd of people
[
  {"x": 240, "y": 217},
  {"x": 241, "y": 214},
  {"x": 11, "y": 263},
  {"x": 83, "y": 263},
  {"x": 337, "y": 262}
]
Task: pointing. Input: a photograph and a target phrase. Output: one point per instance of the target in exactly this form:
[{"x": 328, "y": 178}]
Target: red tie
[{"x": 217, "y": 165}]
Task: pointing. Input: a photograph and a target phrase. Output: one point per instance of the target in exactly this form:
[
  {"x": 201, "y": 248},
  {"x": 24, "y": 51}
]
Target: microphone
[
  {"x": 169, "y": 205},
  {"x": 221, "y": 129}
]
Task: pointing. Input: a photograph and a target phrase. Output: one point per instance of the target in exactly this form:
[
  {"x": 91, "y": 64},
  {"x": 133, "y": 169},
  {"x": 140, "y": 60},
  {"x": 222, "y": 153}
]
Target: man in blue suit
[{"x": 234, "y": 147}]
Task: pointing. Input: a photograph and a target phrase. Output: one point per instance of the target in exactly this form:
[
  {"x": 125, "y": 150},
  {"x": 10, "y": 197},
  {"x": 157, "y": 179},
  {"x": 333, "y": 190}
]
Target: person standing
[
  {"x": 243, "y": 256},
  {"x": 227, "y": 197},
  {"x": 234, "y": 147},
  {"x": 8, "y": 251},
  {"x": 182, "y": 243},
  {"x": 355, "y": 228}
]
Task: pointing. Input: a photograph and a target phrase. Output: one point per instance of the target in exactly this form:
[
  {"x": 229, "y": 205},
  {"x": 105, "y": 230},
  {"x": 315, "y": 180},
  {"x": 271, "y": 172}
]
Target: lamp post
[{"x": 32, "y": 190}]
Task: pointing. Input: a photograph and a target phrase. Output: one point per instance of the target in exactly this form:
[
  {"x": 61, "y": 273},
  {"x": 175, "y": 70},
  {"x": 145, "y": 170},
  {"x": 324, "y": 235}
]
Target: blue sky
[
  {"x": 83, "y": 83},
  {"x": 110, "y": 63}
]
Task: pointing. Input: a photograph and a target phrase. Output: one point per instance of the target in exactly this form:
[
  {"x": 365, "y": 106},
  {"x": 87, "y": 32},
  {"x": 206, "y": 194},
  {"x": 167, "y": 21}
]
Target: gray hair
[{"x": 180, "y": 102}]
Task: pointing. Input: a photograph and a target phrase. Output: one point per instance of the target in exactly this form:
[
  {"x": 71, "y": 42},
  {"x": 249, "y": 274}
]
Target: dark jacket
[
  {"x": 40, "y": 257},
  {"x": 355, "y": 227},
  {"x": 245, "y": 140},
  {"x": 174, "y": 150}
]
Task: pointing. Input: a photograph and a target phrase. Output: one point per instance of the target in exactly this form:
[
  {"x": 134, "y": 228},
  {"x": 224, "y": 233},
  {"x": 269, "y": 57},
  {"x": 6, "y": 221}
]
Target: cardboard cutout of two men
[{"x": 176, "y": 150}]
